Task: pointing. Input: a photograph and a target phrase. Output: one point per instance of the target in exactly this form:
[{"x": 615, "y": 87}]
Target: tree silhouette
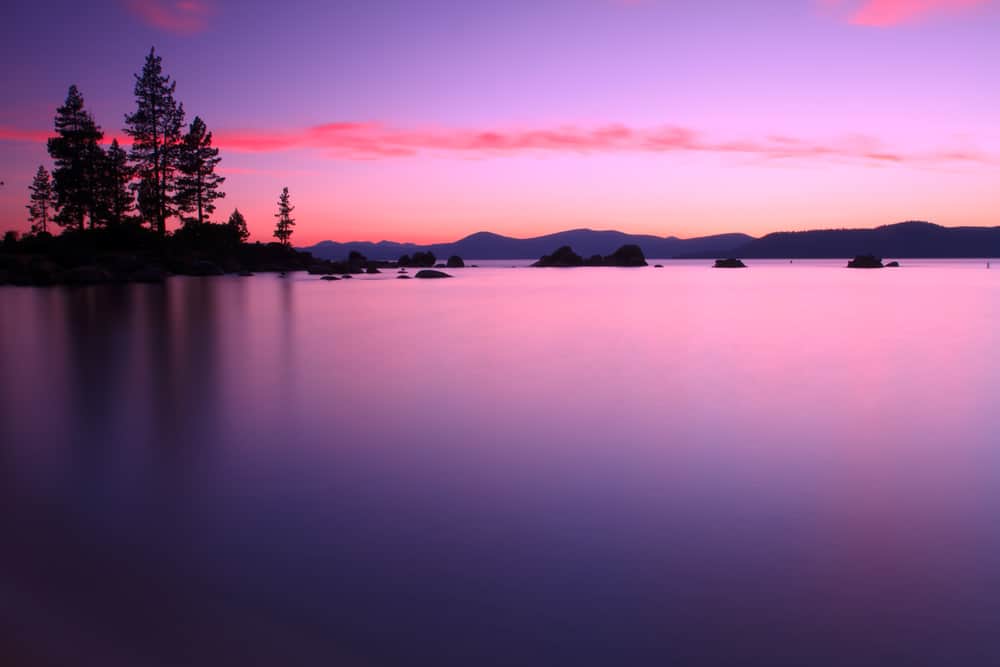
[
  {"x": 77, "y": 155},
  {"x": 283, "y": 229},
  {"x": 238, "y": 224},
  {"x": 42, "y": 203},
  {"x": 198, "y": 184},
  {"x": 117, "y": 203},
  {"x": 155, "y": 128}
]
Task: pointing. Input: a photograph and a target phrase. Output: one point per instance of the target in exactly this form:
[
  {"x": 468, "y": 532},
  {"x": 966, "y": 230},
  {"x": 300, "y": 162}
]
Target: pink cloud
[
  {"x": 374, "y": 141},
  {"x": 885, "y": 13},
  {"x": 182, "y": 17},
  {"x": 369, "y": 141}
]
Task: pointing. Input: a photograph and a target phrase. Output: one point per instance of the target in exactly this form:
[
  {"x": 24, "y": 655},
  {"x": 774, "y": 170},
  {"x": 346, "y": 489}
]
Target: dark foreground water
[{"x": 789, "y": 465}]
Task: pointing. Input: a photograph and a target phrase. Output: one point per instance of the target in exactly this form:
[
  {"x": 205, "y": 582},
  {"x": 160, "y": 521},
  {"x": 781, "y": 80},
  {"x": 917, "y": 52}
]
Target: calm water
[{"x": 795, "y": 464}]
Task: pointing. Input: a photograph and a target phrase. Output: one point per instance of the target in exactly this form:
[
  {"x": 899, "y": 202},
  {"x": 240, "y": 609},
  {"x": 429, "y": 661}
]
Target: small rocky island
[
  {"x": 564, "y": 257},
  {"x": 730, "y": 263},
  {"x": 865, "y": 262}
]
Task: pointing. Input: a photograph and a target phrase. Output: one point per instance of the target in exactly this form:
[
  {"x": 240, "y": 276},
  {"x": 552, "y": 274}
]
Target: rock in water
[
  {"x": 892, "y": 265},
  {"x": 403, "y": 277},
  {"x": 329, "y": 278},
  {"x": 627, "y": 255},
  {"x": 455, "y": 262},
  {"x": 431, "y": 273},
  {"x": 563, "y": 257},
  {"x": 865, "y": 262},
  {"x": 731, "y": 263}
]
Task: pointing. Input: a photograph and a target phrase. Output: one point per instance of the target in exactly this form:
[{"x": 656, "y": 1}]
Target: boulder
[
  {"x": 329, "y": 278},
  {"x": 372, "y": 269},
  {"x": 203, "y": 267},
  {"x": 892, "y": 265},
  {"x": 455, "y": 262},
  {"x": 563, "y": 257},
  {"x": 346, "y": 276},
  {"x": 87, "y": 275},
  {"x": 731, "y": 263},
  {"x": 431, "y": 273},
  {"x": 628, "y": 255},
  {"x": 402, "y": 277},
  {"x": 865, "y": 262},
  {"x": 658, "y": 266},
  {"x": 147, "y": 274}
]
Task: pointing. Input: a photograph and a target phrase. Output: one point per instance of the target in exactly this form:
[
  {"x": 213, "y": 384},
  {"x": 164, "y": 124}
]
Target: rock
[
  {"x": 372, "y": 269},
  {"x": 731, "y": 263},
  {"x": 329, "y": 278},
  {"x": 658, "y": 266},
  {"x": 346, "y": 277},
  {"x": 431, "y": 273},
  {"x": 455, "y": 262},
  {"x": 148, "y": 274},
  {"x": 627, "y": 255},
  {"x": 402, "y": 271},
  {"x": 865, "y": 262},
  {"x": 87, "y": 275},
  {"x": 561, "y": 258},
  {"x": 402, "y": 277},
  {"x": 320, "y": 269},
  {"x": 203, "y": 267},
  {"x": 892, "y": 265},
  {"x": 440, "y": 266}
]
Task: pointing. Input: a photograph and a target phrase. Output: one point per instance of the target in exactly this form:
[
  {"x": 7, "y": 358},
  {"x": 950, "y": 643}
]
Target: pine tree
[
  {"x": 155, "y": 128},
  {"x": 42, "y": 204},
  {"x": 283, "y": 229},
  {"x": 238, "y": 224},
  {"x": 198, "y": 184},
  {"x": 77, "y": 155},
  {"x": 117, "y": 203}
]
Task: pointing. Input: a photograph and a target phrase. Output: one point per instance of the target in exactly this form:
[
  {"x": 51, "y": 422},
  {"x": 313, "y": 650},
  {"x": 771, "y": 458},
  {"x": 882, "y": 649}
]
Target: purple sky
[{"x": 430, "y": 120}]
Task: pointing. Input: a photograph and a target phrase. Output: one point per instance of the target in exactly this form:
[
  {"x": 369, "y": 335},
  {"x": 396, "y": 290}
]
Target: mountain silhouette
[
  {"x": 904, "y": 239},
  {"x": 487, "y": 245}
]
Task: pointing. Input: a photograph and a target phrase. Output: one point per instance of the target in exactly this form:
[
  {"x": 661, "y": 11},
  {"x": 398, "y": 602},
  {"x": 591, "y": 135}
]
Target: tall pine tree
[
  {"x": 198, "y": 184},
  {"x": 42, "y": 202},
  {"x": 117, "y": 202},
  {"x": 155, "y": 128},
  {"x": 77, "y": 154},
  {"x": 283, "y": 229}
]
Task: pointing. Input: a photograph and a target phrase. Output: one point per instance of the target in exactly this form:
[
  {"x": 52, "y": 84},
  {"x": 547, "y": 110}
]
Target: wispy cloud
[
  {"x": 183, "y": 17},
  {"x": 375, "y": 141},
  {"x": 369, "y": 141},
  {"x": 885, "y": 13}
]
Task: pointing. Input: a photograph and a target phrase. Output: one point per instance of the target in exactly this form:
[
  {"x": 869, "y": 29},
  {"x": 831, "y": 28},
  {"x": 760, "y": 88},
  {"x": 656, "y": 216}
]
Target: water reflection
[{"x": 792, "y": 465}]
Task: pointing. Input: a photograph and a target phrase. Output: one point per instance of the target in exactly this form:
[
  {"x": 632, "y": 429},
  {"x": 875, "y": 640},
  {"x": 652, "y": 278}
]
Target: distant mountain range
[
  {"x": 486, "y": 245},
  {"x": 905, "y": 239}
]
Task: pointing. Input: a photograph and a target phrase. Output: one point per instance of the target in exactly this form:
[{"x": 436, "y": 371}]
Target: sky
[{"x": 427, "y": 120}]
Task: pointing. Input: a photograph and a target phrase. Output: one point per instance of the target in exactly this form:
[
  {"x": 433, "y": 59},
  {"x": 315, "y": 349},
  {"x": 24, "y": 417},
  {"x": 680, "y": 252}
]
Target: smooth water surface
[{"x": 794, "y": 464}]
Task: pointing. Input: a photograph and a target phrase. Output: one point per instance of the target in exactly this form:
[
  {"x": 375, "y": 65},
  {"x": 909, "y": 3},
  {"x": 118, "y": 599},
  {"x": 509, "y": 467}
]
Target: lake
[{"x": 794, "y": 464}]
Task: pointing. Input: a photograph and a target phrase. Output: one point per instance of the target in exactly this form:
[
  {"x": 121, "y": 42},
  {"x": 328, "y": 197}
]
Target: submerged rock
[
  {"x": 731, "y": 263},
  {"x": 431, "y": 273},
  {"x": 865, "y": 262}
]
